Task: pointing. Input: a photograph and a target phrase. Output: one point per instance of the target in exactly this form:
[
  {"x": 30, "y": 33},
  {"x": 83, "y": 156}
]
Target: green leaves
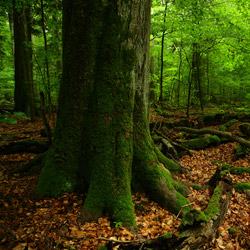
[{"x": 8, "y": 120}]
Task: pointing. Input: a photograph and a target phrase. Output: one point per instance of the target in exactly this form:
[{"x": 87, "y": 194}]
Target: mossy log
[
  {"x": 195, "y": 232},
  {"x": 231, "y": 169},
  {"x": 242, "y": 188},
  {"x": 215, "y": 132},
  {"x": 201, "y": 143},
  {"x": 30, "y": 146}
]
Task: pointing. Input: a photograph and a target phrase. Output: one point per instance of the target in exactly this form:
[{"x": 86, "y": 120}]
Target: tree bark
[
  {"x": 162, "y": 53},
  {"x": 102, "y": 141},
  {"x": 48, "y": 92}
]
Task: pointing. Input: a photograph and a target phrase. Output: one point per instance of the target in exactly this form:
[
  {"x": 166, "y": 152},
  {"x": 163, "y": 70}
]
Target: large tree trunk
[
  {"x": 24, "y": 100},
  {"x": 102, "y": 140}
]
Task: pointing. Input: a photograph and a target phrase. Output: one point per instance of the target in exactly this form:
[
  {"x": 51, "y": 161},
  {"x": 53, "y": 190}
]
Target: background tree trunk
[
  {"x": 24, "y": 100},
  {"x": 102, "y": 139}
]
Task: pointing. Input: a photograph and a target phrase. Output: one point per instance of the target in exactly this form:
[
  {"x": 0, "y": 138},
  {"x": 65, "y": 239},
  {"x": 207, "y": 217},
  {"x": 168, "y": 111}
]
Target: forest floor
[{"x": 27, "y": 223}]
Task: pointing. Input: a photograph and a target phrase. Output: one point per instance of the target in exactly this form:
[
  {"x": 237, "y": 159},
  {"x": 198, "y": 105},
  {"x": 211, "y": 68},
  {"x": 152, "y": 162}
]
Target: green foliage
[
  {"x": 8, "y": 120},
  {"x": 20, "y": 115},
  {"x": 215, "y": 32}
]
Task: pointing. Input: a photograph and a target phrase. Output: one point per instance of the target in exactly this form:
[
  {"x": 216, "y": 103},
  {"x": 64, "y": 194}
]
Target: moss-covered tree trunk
[{"x": 102, "y": 142}]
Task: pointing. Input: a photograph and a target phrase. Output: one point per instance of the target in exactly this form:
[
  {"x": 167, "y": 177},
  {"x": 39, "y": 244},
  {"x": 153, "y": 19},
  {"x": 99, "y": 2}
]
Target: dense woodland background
[
  {"x": 199, "y": 52},
  {"x": 199, "y": 78}
]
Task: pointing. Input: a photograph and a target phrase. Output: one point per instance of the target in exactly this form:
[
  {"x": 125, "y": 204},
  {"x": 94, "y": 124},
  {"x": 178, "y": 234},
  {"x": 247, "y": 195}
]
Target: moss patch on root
[
  {"x": 241, "y": 187},
  {"x": 193, "y": 218},
  {"x": 213, "y": 207}
]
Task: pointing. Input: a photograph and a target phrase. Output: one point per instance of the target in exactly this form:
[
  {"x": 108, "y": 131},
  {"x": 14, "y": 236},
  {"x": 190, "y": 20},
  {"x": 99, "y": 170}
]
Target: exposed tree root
[
  {"x": 195, "y": 232},
  {"x": 231, "y": 169},
  {"x": 34, "y": 166}
]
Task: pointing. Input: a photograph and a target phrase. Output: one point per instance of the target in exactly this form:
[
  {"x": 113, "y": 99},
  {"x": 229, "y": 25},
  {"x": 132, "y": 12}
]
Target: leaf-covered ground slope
[{"x": 28, "y": 223}]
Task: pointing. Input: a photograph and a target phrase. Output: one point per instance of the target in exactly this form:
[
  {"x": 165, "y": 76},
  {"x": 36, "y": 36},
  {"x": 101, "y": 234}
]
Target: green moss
[
  {"x": 58, "y": 176},
  {"x": 102, "y": 248},
  {"x": 235, "y": 170},
  {"x": 232, "y": 230},
  {"x": 227, "y": 125},
  {"x": 241, "y": 150},
  {"x": 178, "y": 187},
  {"x": 193, "y": 218},
  {"x": 181, "y": 135},
  {"x": 201, "y": 143},
  {"x": 196, "y": 186},
  {"x": 214, "y": 205},
  {"x": 224, "y": 172},
  {"x": 168, "y": 235},
  {"x": 155, "y": 137},
  {"x": 241, "y": 187},
  {"x": 154, "y": 178},
  {"x": 223, "y": 128}
]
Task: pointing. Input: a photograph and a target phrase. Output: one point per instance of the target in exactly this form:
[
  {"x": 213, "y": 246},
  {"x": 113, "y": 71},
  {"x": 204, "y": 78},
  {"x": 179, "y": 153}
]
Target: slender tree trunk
[
  {"x": 152, "y": 75},
  {"x": 23, "y": 97},
  {"x": 162, "y": 53},
  {"x": 196, "y": 74},
  {"x": 208, "y": 79},
  {"x": 189, "y": 90},
  {"x": 102, "y": 142},
  {"x": 199, "y": 80},
  {"x": 179, "y": 75},
  {"x": 11, "y": 24},
  {"x": 46, "y": 58}
]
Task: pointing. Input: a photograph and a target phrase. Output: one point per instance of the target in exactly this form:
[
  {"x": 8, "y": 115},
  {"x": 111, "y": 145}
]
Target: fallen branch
[
  {"x": 215, "y": 132},
  {"x": 121, "y": 241}
]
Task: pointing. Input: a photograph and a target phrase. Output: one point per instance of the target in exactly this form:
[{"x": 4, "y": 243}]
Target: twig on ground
[{"x": 187, "y": 205}]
